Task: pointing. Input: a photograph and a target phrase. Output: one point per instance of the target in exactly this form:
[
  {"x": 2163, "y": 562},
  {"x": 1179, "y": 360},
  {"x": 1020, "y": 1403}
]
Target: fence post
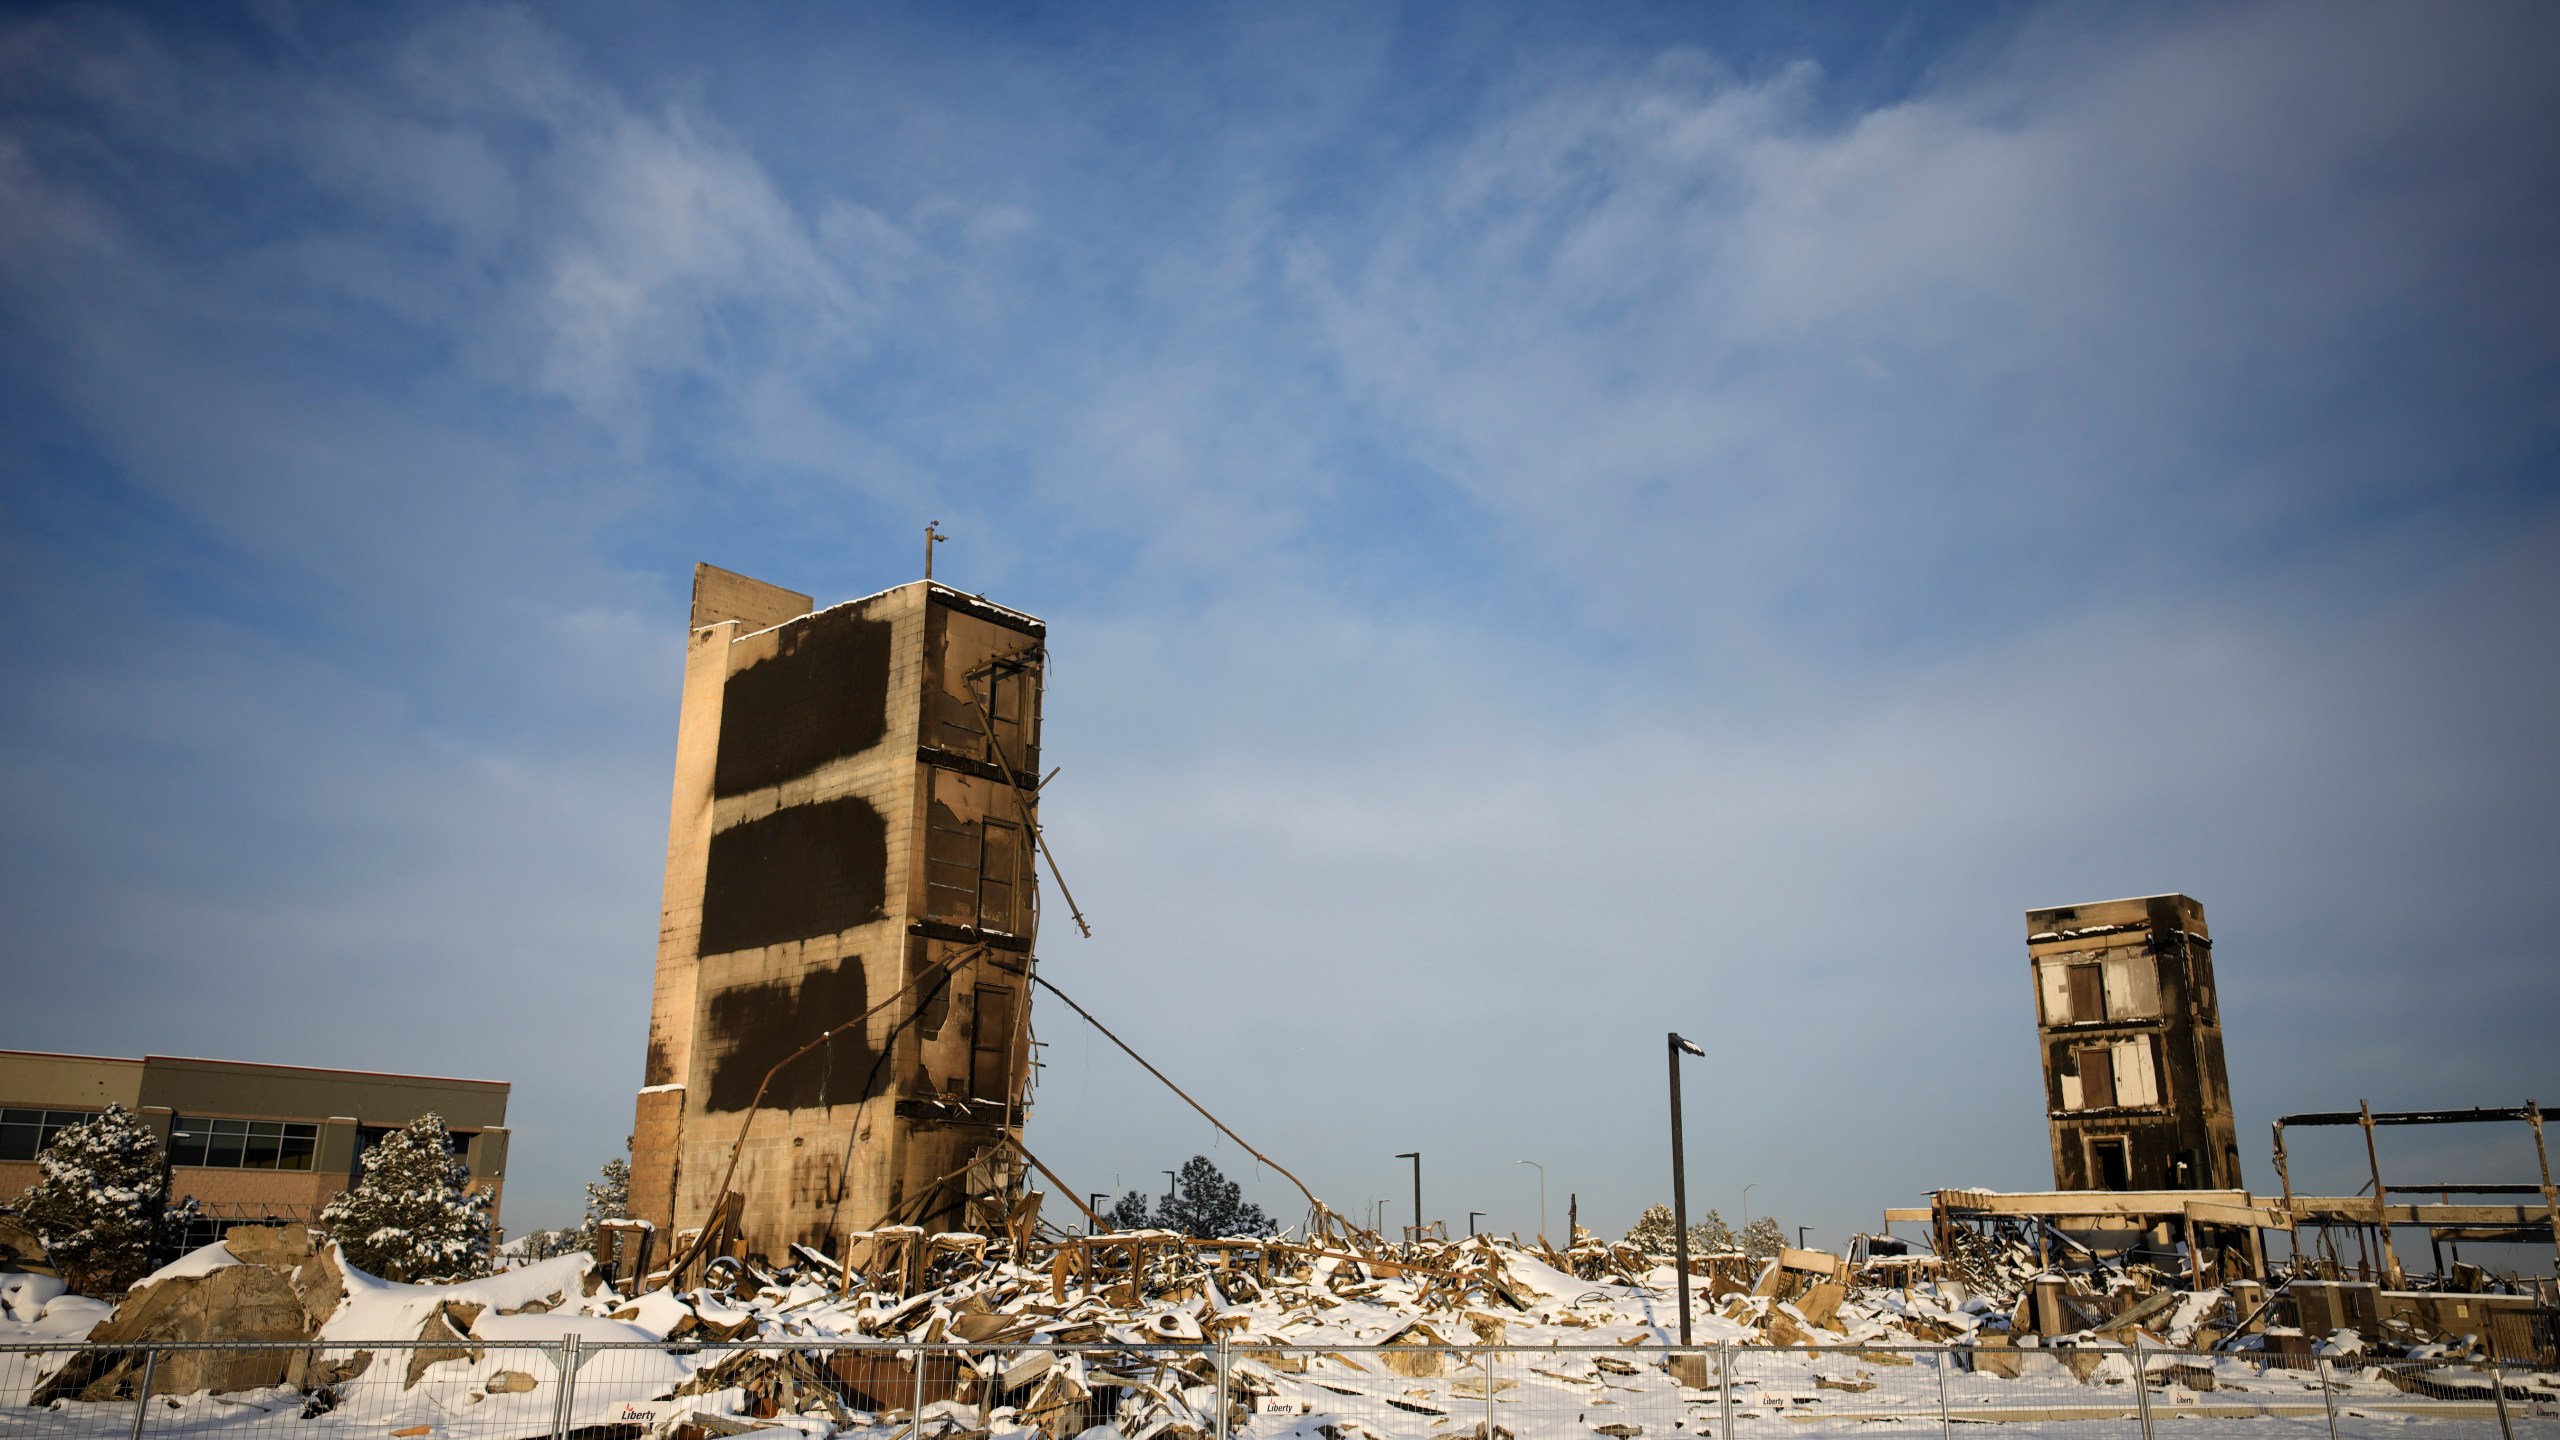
[
  {"x": 2328, "y": 1396},
  {"x": 1224, "y": 1404},
  {"x": 915, "y": 1417},
  {"x": 1946, "y": 1422},
  {"x": 2141, "y": 1388},
  {"x": 563, "y": 1417},
  {"x": 142, "y": 1400},
  {"x": 1724, "y": 1381},
  {"x": 2498, "y": 1388}
]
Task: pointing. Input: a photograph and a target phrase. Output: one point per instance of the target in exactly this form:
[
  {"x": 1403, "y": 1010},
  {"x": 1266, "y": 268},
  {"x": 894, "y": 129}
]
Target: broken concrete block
[
  {"x": 1691, "y": 1371},
  {"x": 1820, "y": 1305},
  {"x": 235, "y": 1302}
]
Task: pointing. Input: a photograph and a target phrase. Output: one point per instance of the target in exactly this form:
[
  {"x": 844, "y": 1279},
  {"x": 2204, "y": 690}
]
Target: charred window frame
[
  {"x": 2085, "y": 985},
  {"x": 991, "y": 1043},
  {"x": 976, "y": 871},
  {"x": 2110, "y": 1161},
  {"x": 2096, "y": 1065}
]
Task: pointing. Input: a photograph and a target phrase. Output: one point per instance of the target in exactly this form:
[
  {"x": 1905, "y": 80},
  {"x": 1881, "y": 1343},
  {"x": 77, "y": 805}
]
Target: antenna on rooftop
[{"x": 932, "y": 537}]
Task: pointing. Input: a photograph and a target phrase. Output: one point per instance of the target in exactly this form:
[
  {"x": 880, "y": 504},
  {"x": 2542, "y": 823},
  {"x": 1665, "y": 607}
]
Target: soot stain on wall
[
  {"x": 823, "y": 694},
  {"x": 797, "y": 873},
  {"x": 756, "y": 1026}
]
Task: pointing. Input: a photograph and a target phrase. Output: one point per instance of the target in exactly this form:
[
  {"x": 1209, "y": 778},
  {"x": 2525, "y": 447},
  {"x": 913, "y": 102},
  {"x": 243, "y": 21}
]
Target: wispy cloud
[{"x": 1542, "y": 538}]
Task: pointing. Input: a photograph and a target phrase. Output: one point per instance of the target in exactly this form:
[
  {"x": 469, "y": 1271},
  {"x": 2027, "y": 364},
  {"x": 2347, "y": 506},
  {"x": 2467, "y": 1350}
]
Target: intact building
[
  {"x": 2131, "y": 1031},
  {"x": 251, "y": 1144},
  {"x": 849, "y": 838}
]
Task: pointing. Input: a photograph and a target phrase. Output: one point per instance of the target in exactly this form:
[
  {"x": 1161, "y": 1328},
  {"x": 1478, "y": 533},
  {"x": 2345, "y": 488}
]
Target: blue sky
[{"x": 1557, "y": 523}]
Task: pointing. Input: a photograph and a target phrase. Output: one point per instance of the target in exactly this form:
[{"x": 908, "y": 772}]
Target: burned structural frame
[
  {"x": 2375, "y": 1214},
  {"x": 848, "y": 919}
]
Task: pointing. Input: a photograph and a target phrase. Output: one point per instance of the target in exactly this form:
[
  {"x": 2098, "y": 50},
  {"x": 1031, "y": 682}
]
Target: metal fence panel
[{"x": 467, "y": 1389}]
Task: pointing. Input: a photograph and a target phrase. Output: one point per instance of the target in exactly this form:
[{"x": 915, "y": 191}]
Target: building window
[
  {"x": 2088, "y": 993},
  {"x": 242, "y": 1144},
  {"x": 2098, "y": 1078},
  {"x": 2110, "y": 1164},
  {"x": 456, "y": 1142},
  {"x": 991, "y": 1045},
  {"x": 25, "y": 1133}
]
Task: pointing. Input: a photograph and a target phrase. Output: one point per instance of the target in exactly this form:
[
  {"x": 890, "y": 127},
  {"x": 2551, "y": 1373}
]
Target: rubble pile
[{"x": 1293, "y": 1314}]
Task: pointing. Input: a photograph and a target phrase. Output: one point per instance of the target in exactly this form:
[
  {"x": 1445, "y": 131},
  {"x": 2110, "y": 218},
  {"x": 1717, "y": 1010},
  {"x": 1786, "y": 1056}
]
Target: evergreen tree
[
  {"x": 1653, "y": 1233},
  {"x": 412, "y": 1216},
  {"x": 1763, "y": 1238},
  {"x": 1130, "y": 1213},
  {"x": 1206, "y": 1205},
  {"x": 97, "y": 1202},
  {"x": 1710, "y": 1235},
  {"x": 608, "y": 1198}
]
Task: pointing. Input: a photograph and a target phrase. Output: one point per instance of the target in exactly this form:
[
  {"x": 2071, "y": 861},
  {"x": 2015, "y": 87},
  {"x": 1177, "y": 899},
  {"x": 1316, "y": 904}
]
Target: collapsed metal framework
[
  {"x": 2375, "y": 1214},
  {"x": 2209, "y": 1222}
]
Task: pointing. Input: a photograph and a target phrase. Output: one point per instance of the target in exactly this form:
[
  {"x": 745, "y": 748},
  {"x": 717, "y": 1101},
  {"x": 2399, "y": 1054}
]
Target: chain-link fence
[{"x": 467, "y": 1389}]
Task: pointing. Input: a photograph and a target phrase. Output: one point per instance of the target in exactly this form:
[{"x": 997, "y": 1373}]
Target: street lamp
[
  {"x": 1542, "y": 1203},
  {"x": 1097, "y": 1197},
  {"x": 1746, "y": 1203},
  {"x": 1471, "y": 1223},
  {"x": 1800, "y": 1235},
  {"x": 1416, "y": 1157},
  {"x": 1680, "y": 1182}
]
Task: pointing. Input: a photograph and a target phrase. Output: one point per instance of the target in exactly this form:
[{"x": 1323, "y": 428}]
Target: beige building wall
[
  {"x": 170, "y": 1092},
  {"x": 840, "y": 827}
]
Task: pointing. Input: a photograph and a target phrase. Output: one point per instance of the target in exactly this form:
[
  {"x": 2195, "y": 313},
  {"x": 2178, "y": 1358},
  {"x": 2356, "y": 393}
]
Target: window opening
[
  {"x": 2097, "y": 1078},
  {"x": 2114, "y": 1167},
  {"x": 2088, "y": 993},
  {"x": 991, "y": 1044},
  {"x": 999, "y": 868}
]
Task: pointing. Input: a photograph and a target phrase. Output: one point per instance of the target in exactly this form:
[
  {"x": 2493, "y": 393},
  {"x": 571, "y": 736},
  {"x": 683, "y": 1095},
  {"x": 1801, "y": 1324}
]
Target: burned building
[
  {"x": 2132, "y": 1040},
  {"x": 849, "y": 841}
]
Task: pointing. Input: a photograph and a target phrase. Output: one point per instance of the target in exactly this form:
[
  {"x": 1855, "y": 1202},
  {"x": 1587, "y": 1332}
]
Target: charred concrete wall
[
  {"x": 2131, "y": 1033},
  {"x": 843, "y": 838}
]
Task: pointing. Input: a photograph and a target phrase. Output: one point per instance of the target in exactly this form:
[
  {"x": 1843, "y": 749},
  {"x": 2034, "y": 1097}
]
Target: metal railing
[{"x": 577, "y": 1389}]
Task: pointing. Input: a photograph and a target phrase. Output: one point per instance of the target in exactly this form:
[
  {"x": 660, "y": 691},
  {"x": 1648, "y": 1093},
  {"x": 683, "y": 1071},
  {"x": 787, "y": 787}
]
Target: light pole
[
  {"x": 1746, "y": 1203},
  {"x": 1471, "y": 1223},
  {"x": 1800, "y": 1235},
  {"x": 1680, "y": 1183},
  {"x": 1416, "y": 1157},
  {"x": 1542, "y": 1201},
  {"x": 1097, "y": 1197}
]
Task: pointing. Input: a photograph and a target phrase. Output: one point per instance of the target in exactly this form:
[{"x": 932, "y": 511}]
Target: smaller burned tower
[{"x": 2132, "y": 1037}]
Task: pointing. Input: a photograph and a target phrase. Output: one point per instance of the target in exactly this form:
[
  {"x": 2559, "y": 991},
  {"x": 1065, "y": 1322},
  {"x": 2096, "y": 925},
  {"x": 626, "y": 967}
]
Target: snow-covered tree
[
  {"x": 96, "y": 1203},
  {"x": 1710, "y": 1235},
  {"x": 1206, "y": 1205},
  {"x": 608, "y": 1198},
  {"x": 1653, "y": 1232},
  {"x": 1763, "y": 1238},
  {"x": 412, "y": 1216}
]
